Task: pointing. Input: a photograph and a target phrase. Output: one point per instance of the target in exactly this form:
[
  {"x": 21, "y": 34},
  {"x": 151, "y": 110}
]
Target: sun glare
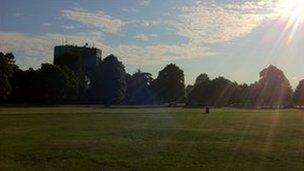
[
  {"x": 292, "y": 12},
  {"x": 293, "y": 9}
]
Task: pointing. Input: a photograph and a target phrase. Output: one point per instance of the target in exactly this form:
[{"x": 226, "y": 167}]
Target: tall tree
[
  {"x": 73, "y": 61},
  {"x": 19, "y": 83},
  {"x": 170, "y": 84},
  {"x": 201, "y": 79},
  {"x": 200, "y": 93},
  {"x": 222, "y": 91},
  {"x": 299, "y": 94},
  {"x": 71, "y": 87},
  {"x": 273, "y": 88},
  {"x": 6, "y": 71},
  {"x": 55, "y": 83},
  {"x": 139, "y": 90},
  {"x": 188, "y": 90},
  {"x": 108, "y": 84}
]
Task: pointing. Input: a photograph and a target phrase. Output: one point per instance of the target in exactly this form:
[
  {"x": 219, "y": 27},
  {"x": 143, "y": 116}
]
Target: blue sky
[{"x": 231, "y": 38}]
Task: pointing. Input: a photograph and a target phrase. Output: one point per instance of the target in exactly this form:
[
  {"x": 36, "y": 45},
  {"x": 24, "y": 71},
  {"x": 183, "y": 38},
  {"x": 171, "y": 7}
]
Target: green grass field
[{"x": 93, "y": 138}]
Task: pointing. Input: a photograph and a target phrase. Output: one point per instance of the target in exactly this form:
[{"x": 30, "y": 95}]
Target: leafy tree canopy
[
  {"x": 6, "y": 71},
  {"x": 170, "y": 84},
  {"x": 109, "y": 82}
]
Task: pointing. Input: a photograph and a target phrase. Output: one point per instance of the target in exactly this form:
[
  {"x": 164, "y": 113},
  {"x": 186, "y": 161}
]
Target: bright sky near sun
[{"x": 231, "y": 38}]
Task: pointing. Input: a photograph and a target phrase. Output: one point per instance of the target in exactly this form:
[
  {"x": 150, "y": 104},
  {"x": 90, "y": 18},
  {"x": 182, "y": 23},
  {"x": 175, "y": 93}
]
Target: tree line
[{"x": 111, "y": 85}]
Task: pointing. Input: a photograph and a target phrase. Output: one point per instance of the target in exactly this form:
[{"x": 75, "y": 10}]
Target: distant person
[{"x": 207, "y": 109}]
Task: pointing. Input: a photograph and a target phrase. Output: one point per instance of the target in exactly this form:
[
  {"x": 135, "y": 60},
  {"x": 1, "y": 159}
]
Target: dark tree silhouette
[
  {"x": 188, "y": 91},
  {"x": 55, "y": 84},
  {"x": 49, "y": 84},
  {"x": 217, "y": 92},
  {"x": 169, "y": 84},
  {"x": 20, "y": 82},
  {"x": 108, "y": 84},
  {"x": 299, "y": 94},
  {"x": 73, "y": 61},
  {"x": 241, "y": 97},
  {"x": 273, "y": 89},
  {"x": 221, "y": 90},
  {"x": 201, "y": 79},
  {"x": 200, "y": 93},
  {"x": 6, "y": 71},
  {"x": 139, "y": 90}
]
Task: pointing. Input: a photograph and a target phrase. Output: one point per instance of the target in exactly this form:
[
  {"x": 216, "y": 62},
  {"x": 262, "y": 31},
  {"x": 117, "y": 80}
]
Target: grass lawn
[{"x": 93, "y": 138}]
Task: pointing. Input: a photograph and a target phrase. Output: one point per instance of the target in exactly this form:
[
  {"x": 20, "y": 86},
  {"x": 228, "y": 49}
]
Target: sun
[
  {"x": 291, "y": 13},
  {"x": 292, "y": 9}
]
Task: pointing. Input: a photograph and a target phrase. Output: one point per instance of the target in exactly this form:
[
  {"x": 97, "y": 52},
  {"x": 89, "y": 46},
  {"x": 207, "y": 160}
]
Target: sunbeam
[
  {"x": 293, "y": 9},
  {"x": 292, "y": 14}
]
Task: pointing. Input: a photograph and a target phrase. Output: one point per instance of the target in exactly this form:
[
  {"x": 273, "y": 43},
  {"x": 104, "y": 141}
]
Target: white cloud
[
  {"x": 97, "y": 20},
  {"x": 129, "y": 10},
  {"x": 34, "y": 50},
  {"x": 144, "y": 37},
  {"x": 159, "y": 54},
  {"x": 148, "y": 23},
  {"x": 68, "y": 27},
  {"x": 203, "y": 24},
  {"x": 208, "y": 23},
  {"x": 37, "y": 49},
  {"x": 153, "y": 35}
]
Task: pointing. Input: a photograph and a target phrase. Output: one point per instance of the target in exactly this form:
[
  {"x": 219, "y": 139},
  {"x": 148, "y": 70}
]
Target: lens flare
[
  {"x": 292, "y": 12},
  {"x": 292, "y": 9}
]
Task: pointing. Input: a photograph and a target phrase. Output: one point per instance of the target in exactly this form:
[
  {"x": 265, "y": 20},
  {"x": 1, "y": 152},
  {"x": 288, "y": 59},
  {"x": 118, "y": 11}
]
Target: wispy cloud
[
  {"x": 209, "y": 23},
  {"x": 142, "y": 37},
  {"x": 145, "y": 37},
  {"x": 149, "y": 23},
  {"x": 202, "y": 24},
  {"x": 33, "y": 50},
  {"x": 37, "y": 49},
  {"x": 97, "y": 20},
  {"x": 68, "y": 27},
  {"x": 160, "y": 54},
  {"x": 129, "y": 10}
]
